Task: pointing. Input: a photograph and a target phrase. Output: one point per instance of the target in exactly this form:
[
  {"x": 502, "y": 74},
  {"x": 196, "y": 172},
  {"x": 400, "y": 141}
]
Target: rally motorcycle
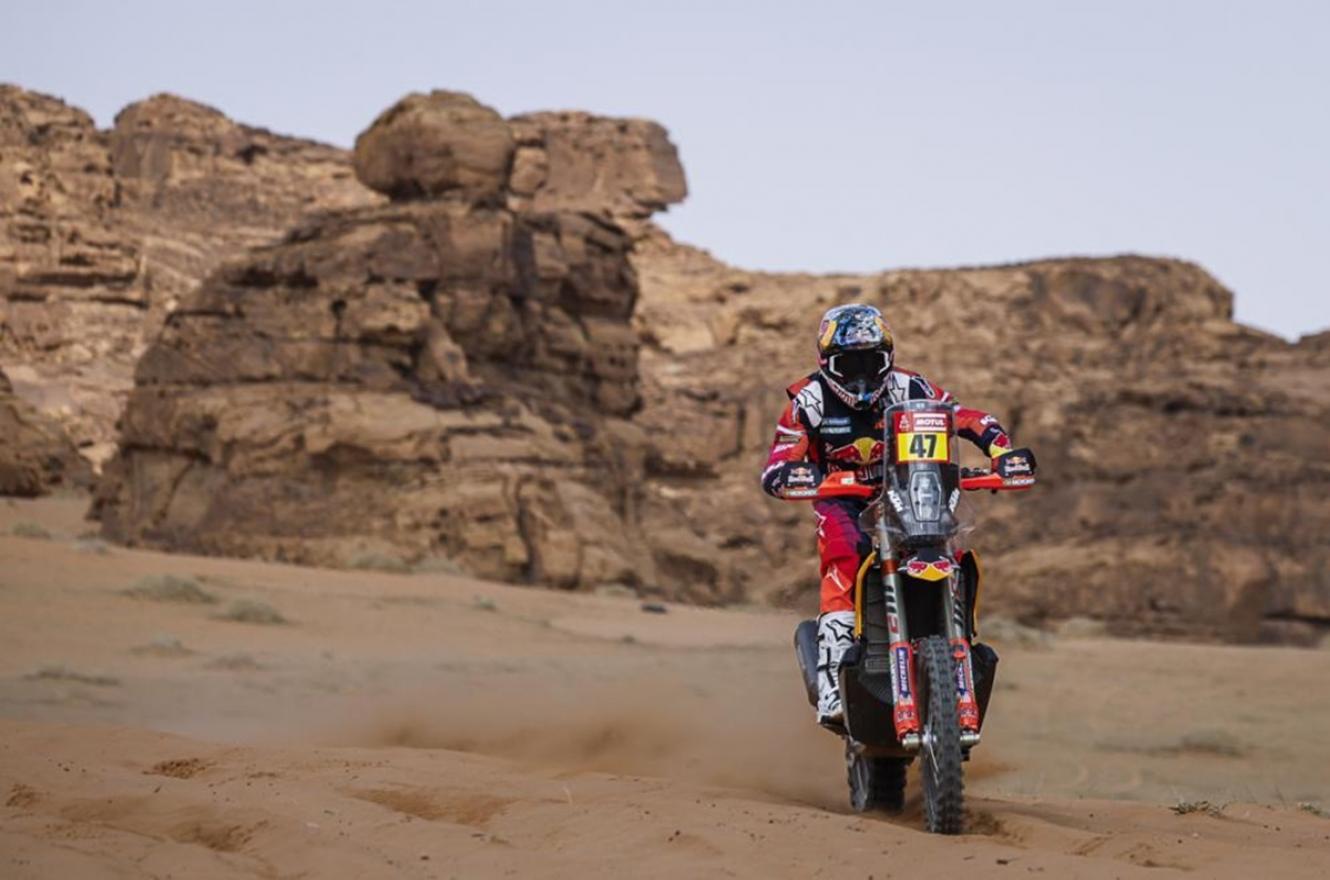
[{"x": 915, "y": 683}]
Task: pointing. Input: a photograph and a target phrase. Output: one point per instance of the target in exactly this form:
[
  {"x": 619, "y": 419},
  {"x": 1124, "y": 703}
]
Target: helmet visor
[{"x": 860, "y": 372}]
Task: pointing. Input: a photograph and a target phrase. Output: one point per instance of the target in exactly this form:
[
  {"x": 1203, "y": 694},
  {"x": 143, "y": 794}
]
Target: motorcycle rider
[{"x": 834, "y": 422}]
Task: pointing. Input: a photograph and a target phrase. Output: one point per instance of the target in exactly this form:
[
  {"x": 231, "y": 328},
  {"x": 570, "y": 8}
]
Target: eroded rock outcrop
[
  {"x": 442, "y": 375},
  {"x": 626, "y": 168},
  {"x": 101, "y": 233},
  {"x": 443, "y": 143},
  {"x": 455, "y": 373},
  {"x": 1184, "y": 457},
  {"x": 36, "y": 456}
]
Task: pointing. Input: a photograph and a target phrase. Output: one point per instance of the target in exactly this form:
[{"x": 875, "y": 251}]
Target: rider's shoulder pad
[{"x": 807, "y": 397}]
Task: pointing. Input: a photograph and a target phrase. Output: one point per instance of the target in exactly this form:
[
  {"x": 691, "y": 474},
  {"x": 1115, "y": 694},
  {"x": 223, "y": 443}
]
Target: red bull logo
[
  {"x": 930, "y": 569},
  {"x": 863, "y": 451}
]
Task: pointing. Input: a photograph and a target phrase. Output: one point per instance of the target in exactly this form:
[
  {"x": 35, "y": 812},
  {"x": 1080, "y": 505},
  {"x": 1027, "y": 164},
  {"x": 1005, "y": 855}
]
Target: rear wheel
[
  {"x": 943, "y": 775},
  {"x": 876, "y": 784}
]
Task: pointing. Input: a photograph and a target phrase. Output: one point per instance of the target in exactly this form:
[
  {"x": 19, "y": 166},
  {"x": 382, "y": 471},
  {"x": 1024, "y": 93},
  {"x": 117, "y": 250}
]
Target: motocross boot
[{"x": 835, "y": 634}]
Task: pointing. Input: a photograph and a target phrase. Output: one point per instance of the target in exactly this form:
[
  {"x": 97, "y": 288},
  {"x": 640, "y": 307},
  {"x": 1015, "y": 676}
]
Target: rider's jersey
[{"x": 818, "y": 426}]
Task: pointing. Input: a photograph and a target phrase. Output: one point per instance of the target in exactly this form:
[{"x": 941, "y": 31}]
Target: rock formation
[
  {"x": 101, "y": 233},
  {"x": 625, "y": 168},
  {"x": 439, "y": 376},
  {"x": 1183, "y": 455},
  {"x": 505, "y": 363},
  {"x": 36, "y": 456}
]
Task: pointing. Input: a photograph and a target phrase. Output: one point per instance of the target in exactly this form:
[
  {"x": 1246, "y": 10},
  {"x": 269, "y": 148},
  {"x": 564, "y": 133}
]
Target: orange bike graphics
[
  {"x": 967, "y": 708},
  {"x": 904, "y": 714}
]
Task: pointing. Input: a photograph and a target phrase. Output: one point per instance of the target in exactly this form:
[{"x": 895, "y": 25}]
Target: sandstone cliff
[
  {"x": 101, "y": 233},
  {"x": 505, "y": 364},
  {"x": 1184, "y": 457},
  {"x": 446, "y": 375},
  {"x": 36, "y": 456}
]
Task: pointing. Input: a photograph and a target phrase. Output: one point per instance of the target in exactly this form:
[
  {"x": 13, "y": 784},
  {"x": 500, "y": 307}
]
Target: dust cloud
[{"x": 756, "y": 735}]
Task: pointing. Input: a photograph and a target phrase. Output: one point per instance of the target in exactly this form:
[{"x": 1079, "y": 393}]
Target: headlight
[{"x": 926, "y": 496}]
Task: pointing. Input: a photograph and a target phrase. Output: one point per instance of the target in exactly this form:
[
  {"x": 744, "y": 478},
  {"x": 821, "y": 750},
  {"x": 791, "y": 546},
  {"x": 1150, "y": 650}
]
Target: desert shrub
[
  {"x": 171, "y": 588},
  {"x": 1212, "y": 742},
  {"x": 234, "y": 663},
  {"x": 61, "y": 672},
  {"x": 252, "y": 611},
  {"x": 372, "y": 561},
  {"x": 163, "y": 645},
  {"x": 439, "y": 565},
  {"x": 28, "y": 529}
]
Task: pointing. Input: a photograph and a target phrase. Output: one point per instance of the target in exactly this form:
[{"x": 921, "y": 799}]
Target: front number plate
[{"x": 920, "y": 446}]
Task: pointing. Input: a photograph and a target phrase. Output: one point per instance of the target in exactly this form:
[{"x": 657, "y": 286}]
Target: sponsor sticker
[
  {"x": 800, "y": 475},
  {"x": 908, "y": 422},
  {"x": 929, "y": 569},
  {"x": 903, "y": 672},
  {"x": 1014, "y": 464}
]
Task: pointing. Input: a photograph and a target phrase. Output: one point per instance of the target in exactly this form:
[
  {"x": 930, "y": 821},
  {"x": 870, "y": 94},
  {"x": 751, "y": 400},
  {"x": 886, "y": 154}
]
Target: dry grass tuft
[
  {"x": 61, "y": 672},
  {"x": 1212, "y": 742},
  {"x": 439, "y": 565},
  {"x": 96, "y": 546},
  {"x": 162, "y": 645},
  {"x": 234, "y": 663},
  {"x": 171, "y": 588},
  {"x": 27, "y": 529},
  {"x": 253, "y": 611},
  {"x": 374, "y": 561}
]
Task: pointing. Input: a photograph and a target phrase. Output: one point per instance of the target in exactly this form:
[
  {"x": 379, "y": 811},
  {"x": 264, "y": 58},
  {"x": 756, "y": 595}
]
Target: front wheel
[
  {"x": 942, "y": 770},
  {"x": 876, "y": 784}
]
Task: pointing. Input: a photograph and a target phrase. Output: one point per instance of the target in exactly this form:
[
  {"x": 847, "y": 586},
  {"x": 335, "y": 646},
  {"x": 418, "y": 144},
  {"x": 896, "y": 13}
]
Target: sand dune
[{"x": 434, "y": 726}]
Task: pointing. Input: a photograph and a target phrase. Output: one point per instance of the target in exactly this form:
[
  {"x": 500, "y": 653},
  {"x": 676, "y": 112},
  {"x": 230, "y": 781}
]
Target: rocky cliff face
[
  {"x": 36, "y": 456},
  {"x": 102, "y": 232},
  {"x": 1183, "y": 456},
  {"x": 444, "y": 375},
  {"x": 496, "y": 358}
]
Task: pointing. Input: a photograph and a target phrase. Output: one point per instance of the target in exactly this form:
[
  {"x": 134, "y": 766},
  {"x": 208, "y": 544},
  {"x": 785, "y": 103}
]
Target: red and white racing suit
[{"x": 817, "y": 426}]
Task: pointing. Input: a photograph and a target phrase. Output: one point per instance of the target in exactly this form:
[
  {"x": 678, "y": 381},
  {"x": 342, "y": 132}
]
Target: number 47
[{"x": 923, "y": 446}]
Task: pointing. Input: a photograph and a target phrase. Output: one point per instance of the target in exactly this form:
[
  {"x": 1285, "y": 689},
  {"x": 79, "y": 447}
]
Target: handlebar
[
  {"x": 973, "y": 479},
  {"x": 843, "y": 484}
]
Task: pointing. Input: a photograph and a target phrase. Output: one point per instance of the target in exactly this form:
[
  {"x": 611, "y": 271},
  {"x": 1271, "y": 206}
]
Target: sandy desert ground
[{"x": 429, "y": 725}]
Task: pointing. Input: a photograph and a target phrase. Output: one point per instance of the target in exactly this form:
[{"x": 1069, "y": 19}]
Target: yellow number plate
[{"x": 922, "y": 447}]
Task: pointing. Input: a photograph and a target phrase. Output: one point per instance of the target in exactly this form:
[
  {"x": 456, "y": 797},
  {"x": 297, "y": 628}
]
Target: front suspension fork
[
  {"x": 967, "y": 708},
  {"x": 904, "y": 687},
  {"x": 905, "y": 711}
]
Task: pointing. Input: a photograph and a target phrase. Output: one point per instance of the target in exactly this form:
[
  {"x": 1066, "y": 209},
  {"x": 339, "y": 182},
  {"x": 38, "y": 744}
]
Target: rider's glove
[
  {"x": 1014, "y": 462},
  {"x": 793, "y": 479}
]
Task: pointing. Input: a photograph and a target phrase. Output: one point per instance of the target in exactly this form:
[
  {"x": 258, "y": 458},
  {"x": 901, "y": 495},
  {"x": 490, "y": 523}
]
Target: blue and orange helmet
[{"x": 854, "y": 353}]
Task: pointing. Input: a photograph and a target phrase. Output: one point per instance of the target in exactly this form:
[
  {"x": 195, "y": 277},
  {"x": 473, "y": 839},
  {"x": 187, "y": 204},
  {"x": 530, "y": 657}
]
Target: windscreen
[{"x": 923, "y": 472}]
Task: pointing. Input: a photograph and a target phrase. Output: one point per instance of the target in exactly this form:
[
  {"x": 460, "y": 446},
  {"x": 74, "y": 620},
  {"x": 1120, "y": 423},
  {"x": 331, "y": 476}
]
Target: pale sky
[{"x": 817, "y": 136}]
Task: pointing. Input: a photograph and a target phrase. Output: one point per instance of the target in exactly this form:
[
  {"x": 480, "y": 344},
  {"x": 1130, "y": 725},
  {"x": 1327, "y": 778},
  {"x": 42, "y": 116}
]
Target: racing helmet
[{"x": 854, "y": 353}]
